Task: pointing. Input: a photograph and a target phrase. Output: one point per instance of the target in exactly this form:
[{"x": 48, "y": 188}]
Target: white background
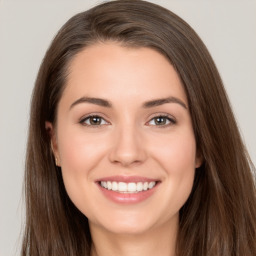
[{"x": 228, "y": 28}]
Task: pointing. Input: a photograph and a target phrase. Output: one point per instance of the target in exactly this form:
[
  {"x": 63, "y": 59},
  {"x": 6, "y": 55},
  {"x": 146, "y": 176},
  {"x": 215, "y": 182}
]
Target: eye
[
  {"x": 162, "y": 120},
  {"x": 93, "y": 120}
]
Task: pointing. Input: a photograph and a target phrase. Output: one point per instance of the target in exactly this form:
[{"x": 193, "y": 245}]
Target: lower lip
[{"x": 127, "y": 198}]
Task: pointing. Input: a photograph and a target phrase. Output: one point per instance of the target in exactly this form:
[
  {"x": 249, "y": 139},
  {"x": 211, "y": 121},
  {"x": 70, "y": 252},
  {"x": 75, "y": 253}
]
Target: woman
[{"x": 133, "y": 148}]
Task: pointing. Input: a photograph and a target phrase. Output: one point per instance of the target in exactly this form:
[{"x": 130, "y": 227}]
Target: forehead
[{"x": 111, "y": 71}]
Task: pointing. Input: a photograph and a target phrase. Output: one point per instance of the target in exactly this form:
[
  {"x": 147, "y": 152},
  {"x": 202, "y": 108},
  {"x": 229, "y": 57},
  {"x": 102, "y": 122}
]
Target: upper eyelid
[
  {"x": 101, "y": 115},
  {"x": 152, "y": 116},
  {"x": 162, "y": 115},
  {"x": 83, "y": 120},
  {"x": 170, "y": 119}
]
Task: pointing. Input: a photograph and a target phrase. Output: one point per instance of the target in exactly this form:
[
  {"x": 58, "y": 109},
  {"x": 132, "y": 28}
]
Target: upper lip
[{"x": 126, "y": 179}]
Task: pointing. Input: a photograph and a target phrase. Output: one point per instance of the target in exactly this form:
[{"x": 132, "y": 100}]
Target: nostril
[
  {"x": 127, "y": 146},
  {"x": 127, "y": 157}
]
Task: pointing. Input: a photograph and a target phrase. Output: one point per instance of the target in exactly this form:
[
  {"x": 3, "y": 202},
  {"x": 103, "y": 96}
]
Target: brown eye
[
  {"x": 161, "y": 121},
  {"x": 93, "y": 121}
]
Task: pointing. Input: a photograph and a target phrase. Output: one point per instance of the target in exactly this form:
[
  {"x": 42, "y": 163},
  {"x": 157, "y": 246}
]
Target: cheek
[
  {"x": 79, "y": 155},
  {"x": 176, "y": 152},
  {"x": 177, "y": 157},
  {"x": 179, "y": 163},
  {"x": 79, "y": 152}
]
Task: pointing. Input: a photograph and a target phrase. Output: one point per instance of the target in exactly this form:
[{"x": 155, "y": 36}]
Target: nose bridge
[{"x": 128, "y": 144}]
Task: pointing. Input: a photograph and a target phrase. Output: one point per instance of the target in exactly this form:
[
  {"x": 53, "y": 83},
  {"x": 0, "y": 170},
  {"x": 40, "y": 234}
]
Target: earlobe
[
  {"x": 199, "y": 159},
  {"x": 49, "y": 128},
  {"x": 198, "y": 163},
  {"x": 53, "y": 144}
]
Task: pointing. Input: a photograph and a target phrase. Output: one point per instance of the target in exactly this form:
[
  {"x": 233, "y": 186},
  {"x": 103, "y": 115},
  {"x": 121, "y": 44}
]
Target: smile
[
  {"x": 131, "y": 187},
  {"x": 127, "y": 189}
]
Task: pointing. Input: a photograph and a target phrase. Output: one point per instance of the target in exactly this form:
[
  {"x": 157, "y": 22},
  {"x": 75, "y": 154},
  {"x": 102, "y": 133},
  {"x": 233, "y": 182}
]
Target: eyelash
[
  {"x": 168, "y": 118},
  {"x": 83, "y": 120}
]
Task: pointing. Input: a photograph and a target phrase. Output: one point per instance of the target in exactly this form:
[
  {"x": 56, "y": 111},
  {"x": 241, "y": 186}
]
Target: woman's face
[{"x": 124, "y": 139}]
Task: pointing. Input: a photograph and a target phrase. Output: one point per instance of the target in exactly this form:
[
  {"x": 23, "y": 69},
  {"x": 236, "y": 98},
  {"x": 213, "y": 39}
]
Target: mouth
[{"x": 128, "y": 187}]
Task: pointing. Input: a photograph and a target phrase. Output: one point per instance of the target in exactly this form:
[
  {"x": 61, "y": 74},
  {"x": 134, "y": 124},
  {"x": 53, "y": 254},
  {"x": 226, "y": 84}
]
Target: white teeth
[
  {"x": 145, "y": 186},
  {"x": 104, "y": 184},
  {"x": 151, "y": 184},
  {"x": 114, "y": 186},
  {"x": 122, "y": 187},
  {"x": 131, "y": 187},
  {"x": 109, "y": 185},
  {"x": 139, "y": 186}
]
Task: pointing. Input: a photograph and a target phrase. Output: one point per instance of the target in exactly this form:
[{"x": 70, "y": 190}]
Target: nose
[{"x": 128, "y": 148}]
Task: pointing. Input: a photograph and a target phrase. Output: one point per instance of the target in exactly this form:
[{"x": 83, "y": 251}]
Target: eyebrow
[
  {"x": 96, "y": 101},
  {"x": 159, "y": 102},
  {"x": 147, "y": 104}
]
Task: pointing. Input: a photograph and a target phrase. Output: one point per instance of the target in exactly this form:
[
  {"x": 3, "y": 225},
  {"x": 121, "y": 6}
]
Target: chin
[
  {"x": 128, "y": 222},
  {"x": 126, "y": 228}
]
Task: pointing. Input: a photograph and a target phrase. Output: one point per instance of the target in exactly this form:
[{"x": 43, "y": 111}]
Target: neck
[{"x": 158, "y": 241}]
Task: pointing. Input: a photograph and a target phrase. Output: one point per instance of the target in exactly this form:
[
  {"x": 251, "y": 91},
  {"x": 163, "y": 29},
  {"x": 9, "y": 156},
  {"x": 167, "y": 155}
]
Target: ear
[
  {"x": 199, "y": 159},
  {"x": 54, "y": 145}
]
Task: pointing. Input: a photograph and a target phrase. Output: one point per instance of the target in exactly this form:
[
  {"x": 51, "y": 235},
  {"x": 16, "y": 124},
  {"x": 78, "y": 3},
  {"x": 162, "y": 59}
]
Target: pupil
[
  {"x": 95, "y": 120},
  {"x": 160, "y": 120}
]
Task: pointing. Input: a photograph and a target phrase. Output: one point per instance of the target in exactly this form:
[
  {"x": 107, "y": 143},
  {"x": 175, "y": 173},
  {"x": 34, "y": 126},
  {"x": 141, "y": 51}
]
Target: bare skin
[
  {"x": 135, "y": 245},
  {"x": 124, "y": 115}
]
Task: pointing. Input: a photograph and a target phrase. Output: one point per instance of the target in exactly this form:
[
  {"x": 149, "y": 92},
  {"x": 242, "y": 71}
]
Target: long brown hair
[{"x": 219, "y": 218}]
